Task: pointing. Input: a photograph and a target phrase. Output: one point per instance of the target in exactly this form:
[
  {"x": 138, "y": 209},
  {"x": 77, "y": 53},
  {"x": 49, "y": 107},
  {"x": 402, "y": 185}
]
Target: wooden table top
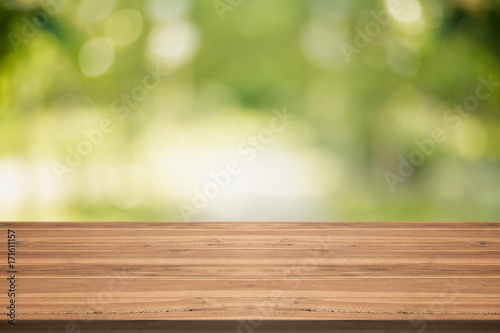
[{"x": 252, "y": 271}]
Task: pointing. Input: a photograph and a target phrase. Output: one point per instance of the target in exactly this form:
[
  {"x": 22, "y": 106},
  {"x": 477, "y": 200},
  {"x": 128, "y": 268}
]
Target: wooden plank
[
  {"x": 343, "y": 271},
  {"x": 331, "y": 288},
  {"x": 259, "y": 308}
]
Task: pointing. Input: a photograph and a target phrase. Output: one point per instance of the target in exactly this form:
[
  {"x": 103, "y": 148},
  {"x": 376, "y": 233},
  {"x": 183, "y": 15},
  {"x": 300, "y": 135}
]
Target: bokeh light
[
  {"x": 96, "y": 57},
  {"x": 135, "y": 110}
]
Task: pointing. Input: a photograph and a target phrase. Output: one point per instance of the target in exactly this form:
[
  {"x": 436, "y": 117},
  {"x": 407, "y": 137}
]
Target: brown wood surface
[
  {"x": 247, "y": 326},
  {"x": 366, "y": 271}
]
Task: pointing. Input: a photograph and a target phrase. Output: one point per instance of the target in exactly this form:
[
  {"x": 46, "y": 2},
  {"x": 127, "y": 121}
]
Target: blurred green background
[{"x": 362, "y": 90}]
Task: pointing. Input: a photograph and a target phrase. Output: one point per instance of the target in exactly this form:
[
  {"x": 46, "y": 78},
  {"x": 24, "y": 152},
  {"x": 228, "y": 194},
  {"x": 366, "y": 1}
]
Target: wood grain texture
[{"x": 254, "y": 271}]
